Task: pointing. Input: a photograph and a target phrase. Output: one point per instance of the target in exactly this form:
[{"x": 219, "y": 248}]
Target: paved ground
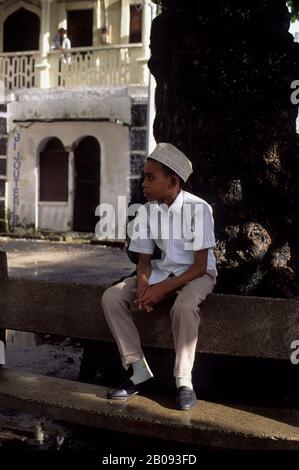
[
  {"x": 55, "y": 261},
  {"x": 67, "y": 262}
]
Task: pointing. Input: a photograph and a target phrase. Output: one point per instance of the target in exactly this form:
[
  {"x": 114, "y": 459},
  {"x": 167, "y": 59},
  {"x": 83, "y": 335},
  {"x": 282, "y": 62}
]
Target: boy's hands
[
  {"x": 143, "y": 273},
  {"x": 141, "y": 288},
  {"x": 142, "y": 285},
  {"x": 151, "y": 296}
]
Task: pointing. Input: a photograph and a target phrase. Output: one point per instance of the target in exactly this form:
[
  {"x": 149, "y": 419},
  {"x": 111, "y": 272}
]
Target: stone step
[{"x": 207, "y": 424}]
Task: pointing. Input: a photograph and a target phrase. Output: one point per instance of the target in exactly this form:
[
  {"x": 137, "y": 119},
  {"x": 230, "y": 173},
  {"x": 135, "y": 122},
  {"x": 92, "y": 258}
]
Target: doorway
[
  {"x": 135, "y": 23},
  {"x": 21, "y": 31},
  {"x": 53, "y": 172},
  {"x": 87, "y": 184},
  {"x": 80, "y": 27}
]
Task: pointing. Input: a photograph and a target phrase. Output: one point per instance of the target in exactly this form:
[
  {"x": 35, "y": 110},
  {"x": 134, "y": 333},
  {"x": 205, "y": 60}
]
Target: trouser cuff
[{"x": 127, "y": 360}]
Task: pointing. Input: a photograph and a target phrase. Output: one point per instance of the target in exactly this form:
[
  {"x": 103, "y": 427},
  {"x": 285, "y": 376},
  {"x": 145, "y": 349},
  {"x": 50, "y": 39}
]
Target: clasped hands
[{"x": 147, "y": 296}]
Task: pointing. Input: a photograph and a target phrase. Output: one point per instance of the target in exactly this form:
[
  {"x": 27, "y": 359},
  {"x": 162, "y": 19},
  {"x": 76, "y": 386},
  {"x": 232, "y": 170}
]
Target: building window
[
  {"x": 135, "y": 23},
  {"x": 53, "y": 172}
]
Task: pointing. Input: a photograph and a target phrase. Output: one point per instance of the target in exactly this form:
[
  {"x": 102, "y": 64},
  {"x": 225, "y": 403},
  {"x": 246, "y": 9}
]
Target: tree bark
[
  {"x": 224, "y": 73},
  {"x": 3, "y": 276},
  {"x": 3, "y": 265}
]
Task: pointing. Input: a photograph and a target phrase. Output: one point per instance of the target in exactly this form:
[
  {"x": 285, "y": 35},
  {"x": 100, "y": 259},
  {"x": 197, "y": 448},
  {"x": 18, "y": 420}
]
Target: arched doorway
[
  {"x": 21, "y": 31},
  {"x": 87, "y": 184},
  {"x": 53, "y": 171}
]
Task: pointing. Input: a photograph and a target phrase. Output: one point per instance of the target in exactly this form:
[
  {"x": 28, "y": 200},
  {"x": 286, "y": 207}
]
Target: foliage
[
  {"x": 294, "y": 9},
  {"x": 293, "y": 6}
]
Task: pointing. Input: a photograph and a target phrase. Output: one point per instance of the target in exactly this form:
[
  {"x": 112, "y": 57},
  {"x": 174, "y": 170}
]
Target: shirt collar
[{"x": 176, "y": 206}]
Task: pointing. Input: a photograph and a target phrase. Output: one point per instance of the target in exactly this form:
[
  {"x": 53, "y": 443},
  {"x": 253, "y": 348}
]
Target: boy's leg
[
  {"x": 185, "y": 322},
  {"x": 117, "y": 304}
]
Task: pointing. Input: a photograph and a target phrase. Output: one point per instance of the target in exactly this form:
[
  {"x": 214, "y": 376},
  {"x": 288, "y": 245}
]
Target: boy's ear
[{"x": 174, "y": 180}]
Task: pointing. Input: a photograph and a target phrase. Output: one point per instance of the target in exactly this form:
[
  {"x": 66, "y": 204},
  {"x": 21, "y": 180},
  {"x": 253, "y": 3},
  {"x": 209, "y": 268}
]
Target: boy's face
[{"x": 156, "y": 185}]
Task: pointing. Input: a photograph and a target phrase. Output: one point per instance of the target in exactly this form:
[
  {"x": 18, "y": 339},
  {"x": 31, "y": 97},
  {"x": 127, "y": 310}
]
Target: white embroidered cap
[{"x": 172, "y": 157}]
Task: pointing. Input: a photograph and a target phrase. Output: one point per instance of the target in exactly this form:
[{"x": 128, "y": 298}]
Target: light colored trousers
[{"x": 117, "y": 304}]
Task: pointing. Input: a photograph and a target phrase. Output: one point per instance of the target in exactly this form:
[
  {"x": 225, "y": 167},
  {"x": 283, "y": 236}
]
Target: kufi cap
[{"x": 172, "y": 157}]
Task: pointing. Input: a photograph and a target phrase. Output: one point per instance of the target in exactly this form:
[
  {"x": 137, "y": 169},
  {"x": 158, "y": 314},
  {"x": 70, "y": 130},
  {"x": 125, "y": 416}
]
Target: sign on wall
[{"x": 16, "y": 178}]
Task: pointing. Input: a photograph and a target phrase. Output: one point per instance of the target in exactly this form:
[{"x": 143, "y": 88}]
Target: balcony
[{"x": 123, "y": 64}]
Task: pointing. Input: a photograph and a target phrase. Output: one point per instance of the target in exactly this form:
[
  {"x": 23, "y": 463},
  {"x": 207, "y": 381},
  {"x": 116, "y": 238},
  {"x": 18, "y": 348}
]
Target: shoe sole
[
  {"x": 179, "y": 407},
  {"x": 122, "y": 398},
  {"x": 185, "y": 407}
]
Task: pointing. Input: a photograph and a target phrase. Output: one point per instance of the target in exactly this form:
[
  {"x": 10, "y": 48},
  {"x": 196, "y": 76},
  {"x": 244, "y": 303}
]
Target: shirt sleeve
[
  {"x": 54, "y": 44},
  {"x": 202, "y": 228},
  {"x": 141, "y": 241},
  {"x": 67, "y": 43}
]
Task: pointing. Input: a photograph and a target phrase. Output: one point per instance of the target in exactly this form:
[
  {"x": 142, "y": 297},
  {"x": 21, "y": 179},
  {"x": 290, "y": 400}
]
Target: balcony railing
[
  {"x": 18, "y": 69},
  {"x": 107, "y": 65}
]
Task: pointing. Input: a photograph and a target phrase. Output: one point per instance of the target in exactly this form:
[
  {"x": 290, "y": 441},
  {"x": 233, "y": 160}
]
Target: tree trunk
[
  {"x": 224, "y": 73},
  {"x": 3, "y": 276}
]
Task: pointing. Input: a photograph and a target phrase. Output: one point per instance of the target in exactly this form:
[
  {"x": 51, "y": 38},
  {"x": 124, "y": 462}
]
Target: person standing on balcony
[
  {"x": 62, "y": 42},
  {"x": 186, "y": 270}
]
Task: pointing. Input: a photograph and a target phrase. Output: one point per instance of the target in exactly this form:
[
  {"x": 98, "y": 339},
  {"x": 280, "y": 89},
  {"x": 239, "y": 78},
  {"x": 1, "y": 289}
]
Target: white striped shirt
[{"x": 189, "y": 220}]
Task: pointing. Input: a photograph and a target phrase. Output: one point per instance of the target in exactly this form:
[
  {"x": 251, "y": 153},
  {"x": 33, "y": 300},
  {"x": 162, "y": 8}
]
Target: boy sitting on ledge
[{"x": 186, "y": 268}]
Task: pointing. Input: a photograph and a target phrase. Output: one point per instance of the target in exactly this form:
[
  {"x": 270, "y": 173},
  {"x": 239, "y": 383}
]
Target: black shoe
[
  {"x": 185, "y": 398},
  {"x": 126, "y": 390}
]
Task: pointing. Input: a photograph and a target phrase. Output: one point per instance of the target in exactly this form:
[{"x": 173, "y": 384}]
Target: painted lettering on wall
[{"x": 16, "y": 178}]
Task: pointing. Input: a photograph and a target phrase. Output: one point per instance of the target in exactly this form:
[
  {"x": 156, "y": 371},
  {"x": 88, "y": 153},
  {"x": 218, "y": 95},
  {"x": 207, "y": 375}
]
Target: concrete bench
[{"x": 232, "y": 325}]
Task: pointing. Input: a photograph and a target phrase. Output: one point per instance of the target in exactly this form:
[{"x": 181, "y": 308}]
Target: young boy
[
  {"x": 188, "y": 269},
  {"x": 63, "y": 43}
]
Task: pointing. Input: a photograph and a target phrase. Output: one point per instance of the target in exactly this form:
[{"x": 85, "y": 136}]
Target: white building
[{"x": 72, "y": 127}]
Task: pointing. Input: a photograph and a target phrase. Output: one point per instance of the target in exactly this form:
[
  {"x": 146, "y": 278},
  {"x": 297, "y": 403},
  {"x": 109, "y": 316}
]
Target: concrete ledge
[
  {"x": 232, "y": 325},
  {"x": 207, "y": 424}
]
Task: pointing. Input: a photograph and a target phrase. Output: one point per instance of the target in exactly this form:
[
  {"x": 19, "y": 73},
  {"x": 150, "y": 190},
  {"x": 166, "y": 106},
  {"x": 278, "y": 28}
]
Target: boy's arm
[
  {"x": 197, "y": 269},
  {"x": 68, "y": 43},
  {"x": 54, "y": 43},
  {"x": 158, "y": 292},
  {"x": 204, "y": 223},
  {"x": 143, "y": 273},
  {"x": 143, "y": 268}
]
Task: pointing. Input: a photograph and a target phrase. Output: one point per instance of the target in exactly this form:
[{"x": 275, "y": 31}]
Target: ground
[
  {"x": 58, "y": 357},
  {"x": 57, "y": 261},
  {"x": 225, "y": 378},
  {"x": 67, "y": 262}
]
